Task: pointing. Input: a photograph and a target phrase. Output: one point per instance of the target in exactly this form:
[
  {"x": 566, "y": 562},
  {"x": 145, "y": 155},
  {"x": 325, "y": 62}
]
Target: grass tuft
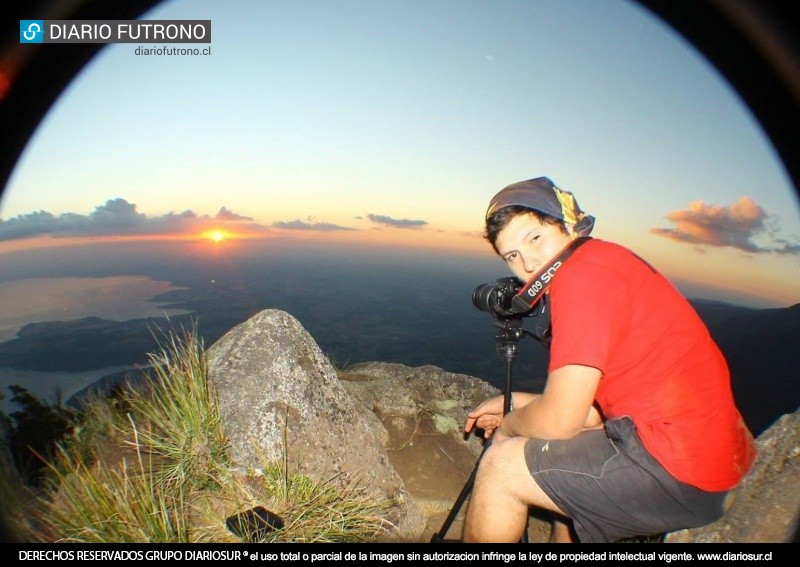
[
  {"x": 150, "y": 464},
  {"x": 174, "y": 417}
]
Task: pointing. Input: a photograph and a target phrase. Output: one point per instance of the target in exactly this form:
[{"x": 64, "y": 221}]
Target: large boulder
[{"x": 272, "y": 380}]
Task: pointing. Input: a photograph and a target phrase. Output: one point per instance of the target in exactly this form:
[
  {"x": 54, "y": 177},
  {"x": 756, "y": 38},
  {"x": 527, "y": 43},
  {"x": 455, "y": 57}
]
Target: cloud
[
  {"x": 396, "y": 223},
  {"x": 118, "y": 217},
  {"x": 787, "y": 248},
  {"x": 714, "y": 225},
  {"x": 226, "y": 215},
  {"x": 310, "y": 225}
]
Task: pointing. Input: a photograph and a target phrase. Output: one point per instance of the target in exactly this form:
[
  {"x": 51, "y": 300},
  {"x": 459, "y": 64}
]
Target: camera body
[{"x": 498, "y": 299}]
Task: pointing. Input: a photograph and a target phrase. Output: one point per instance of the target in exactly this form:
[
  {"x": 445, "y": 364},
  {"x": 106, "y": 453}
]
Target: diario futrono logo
[{"x": 31, "y": 31}]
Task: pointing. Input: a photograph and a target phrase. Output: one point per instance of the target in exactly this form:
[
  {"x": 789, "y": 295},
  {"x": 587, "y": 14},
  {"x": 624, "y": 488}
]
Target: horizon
[
  {"x": 462, "y": 248},
  {"x": 395, "y": 242}
]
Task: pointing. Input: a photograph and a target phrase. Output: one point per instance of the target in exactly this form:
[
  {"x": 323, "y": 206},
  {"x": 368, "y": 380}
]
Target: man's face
[{"x": 527, "y": 245}]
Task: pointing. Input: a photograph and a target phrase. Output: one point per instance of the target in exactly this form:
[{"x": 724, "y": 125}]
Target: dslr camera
[{"x": 498, "y": 299}]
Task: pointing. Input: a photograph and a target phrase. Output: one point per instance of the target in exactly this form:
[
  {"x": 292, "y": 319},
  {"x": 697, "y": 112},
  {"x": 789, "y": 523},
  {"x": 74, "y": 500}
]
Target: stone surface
[
  {"x": 274, "y": 384},
  {"x": 420, "y": 413}
]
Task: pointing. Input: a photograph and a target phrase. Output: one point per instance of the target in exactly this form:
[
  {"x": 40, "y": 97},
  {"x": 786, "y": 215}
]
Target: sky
[{"x": 392, "y": 123}]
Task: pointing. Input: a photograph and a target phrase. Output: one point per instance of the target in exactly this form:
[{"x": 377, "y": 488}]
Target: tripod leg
[
  {"x": 507, "y": 338},
  {"x": 438, "y": 537}
]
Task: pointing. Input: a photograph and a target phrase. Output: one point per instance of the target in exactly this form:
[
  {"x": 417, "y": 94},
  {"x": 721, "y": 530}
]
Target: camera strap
[{"x": 533, "y": 291}]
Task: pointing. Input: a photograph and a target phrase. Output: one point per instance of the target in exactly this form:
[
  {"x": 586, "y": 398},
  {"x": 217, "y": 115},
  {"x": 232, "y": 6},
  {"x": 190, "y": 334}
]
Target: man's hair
[{"x": 500, "y": 219}]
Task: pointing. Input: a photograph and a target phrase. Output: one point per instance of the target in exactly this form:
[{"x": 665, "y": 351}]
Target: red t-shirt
[{"x": 612, "y": 311}]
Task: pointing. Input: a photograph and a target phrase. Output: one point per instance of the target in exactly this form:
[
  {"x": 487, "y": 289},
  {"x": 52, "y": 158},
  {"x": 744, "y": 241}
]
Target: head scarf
[{"x": 542, "y": 195}]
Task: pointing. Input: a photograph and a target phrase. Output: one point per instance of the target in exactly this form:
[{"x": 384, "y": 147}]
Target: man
[{"x": 636, "y": 431}]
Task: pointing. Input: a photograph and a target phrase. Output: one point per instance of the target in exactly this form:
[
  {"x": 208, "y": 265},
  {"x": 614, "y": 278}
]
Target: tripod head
[{"x": 508, "y": 335}]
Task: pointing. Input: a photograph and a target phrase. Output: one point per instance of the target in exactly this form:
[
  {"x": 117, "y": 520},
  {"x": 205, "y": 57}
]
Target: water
[
  {"x": 118, "y": 298},
  {"x": 48, "y": 386}
]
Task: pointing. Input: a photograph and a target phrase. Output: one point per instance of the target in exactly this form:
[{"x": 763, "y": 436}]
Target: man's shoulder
[
  {"x": 601, "y": 251},
  {"x": 606, "y": 245},
  {"x": 604, "y": 261}
]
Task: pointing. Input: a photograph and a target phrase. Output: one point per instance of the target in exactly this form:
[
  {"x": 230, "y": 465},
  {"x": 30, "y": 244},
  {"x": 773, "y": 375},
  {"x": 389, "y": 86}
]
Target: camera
[{"x": 498, "y": 299}]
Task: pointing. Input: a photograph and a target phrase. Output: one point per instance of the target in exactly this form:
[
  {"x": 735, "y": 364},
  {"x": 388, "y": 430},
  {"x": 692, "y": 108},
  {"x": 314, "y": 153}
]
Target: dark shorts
[{"x": 612, "y": 488}]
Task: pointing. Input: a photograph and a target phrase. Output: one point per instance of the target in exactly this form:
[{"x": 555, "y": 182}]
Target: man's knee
[
  {"x": 503, "y": 459},
  {"x": 503, "y": 471}
]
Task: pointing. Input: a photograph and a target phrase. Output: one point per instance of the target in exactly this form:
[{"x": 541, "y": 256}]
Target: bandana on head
[{"x": 542, "y": 195}]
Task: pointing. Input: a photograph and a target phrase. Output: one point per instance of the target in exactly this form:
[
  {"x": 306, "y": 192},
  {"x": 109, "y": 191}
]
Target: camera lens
[
  {"x": 498, "y": 299},
  {"x": 482, "y": 297}
]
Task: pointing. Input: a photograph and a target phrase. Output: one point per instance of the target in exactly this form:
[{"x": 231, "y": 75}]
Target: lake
[{"x": 118, "y": 298}]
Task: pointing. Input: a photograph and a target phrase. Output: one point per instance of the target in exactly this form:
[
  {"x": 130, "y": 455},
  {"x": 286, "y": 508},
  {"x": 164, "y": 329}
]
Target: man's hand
[{"x": 487, "y": 416}]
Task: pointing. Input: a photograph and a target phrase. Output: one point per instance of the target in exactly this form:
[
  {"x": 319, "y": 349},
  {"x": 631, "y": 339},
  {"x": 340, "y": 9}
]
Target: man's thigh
[{"x": 504, "y": 468}]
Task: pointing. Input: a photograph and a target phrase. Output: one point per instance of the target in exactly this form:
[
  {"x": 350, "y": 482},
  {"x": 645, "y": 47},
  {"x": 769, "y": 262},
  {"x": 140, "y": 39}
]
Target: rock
[
  {"x": 766, "y": 508},
  {"x": 271, "y": 377},
  {"x": 420, "y": 413}
]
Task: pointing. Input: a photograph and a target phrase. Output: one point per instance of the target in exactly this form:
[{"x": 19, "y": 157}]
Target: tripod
[{"x": 509, "y": 333}]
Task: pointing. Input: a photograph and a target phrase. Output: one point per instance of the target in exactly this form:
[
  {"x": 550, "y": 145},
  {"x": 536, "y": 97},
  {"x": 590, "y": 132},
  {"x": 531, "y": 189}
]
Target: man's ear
[{"x": 570, "y": 228}]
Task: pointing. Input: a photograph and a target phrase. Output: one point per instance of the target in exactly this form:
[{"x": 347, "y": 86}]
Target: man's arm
[
  {"x": 594, "y": 420},
  {"x": 563, "y": 410}
]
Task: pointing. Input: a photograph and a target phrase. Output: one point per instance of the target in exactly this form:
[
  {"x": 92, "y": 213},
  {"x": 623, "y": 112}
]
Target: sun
[{"x": 216, "y": 235}]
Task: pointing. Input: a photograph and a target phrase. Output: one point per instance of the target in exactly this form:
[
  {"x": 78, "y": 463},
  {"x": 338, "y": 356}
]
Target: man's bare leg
[{"x": 501, "y": 495}]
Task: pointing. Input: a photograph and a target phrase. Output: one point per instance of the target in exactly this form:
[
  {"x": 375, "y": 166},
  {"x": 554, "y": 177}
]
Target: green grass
[{"x": 150, "y": 465}]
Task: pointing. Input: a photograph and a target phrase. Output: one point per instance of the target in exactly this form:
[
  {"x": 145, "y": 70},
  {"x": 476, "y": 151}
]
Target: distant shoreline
[
  {"x": 45, "y": 385},
  {"x": 116, "y": 298}
]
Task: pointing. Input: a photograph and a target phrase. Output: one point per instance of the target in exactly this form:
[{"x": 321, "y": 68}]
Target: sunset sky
[{"x": 394, "y": 122}]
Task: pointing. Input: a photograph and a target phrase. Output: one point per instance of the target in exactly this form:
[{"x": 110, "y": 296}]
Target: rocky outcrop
[
  {"x": 277, "y": 392},
  {"x": 420, "y": 413},
  {"x": 766, "y": 508}
]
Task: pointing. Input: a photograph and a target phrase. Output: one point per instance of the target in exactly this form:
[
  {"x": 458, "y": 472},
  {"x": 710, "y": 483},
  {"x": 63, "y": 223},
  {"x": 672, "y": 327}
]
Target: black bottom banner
[{"x": 408, "y": 553}]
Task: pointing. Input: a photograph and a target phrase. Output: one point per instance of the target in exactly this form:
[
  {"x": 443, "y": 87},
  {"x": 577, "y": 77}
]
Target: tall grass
[
  {"x": 102, "y": 504},
  {"x": 174, "y": 417},
  {"x": 151, "y": 465}
]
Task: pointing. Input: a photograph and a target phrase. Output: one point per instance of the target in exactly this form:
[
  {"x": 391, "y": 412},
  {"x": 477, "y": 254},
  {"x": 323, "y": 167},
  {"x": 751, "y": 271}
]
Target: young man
[{"x": 636, "y": 431}]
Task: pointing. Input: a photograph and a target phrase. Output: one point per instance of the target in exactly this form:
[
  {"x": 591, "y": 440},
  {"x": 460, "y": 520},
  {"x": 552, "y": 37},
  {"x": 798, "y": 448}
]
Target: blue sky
[{"x": 397, "y": 120}]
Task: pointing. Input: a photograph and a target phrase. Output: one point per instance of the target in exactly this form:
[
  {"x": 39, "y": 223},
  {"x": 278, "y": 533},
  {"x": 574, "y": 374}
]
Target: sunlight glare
[{"x": 216, "y": 235}]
